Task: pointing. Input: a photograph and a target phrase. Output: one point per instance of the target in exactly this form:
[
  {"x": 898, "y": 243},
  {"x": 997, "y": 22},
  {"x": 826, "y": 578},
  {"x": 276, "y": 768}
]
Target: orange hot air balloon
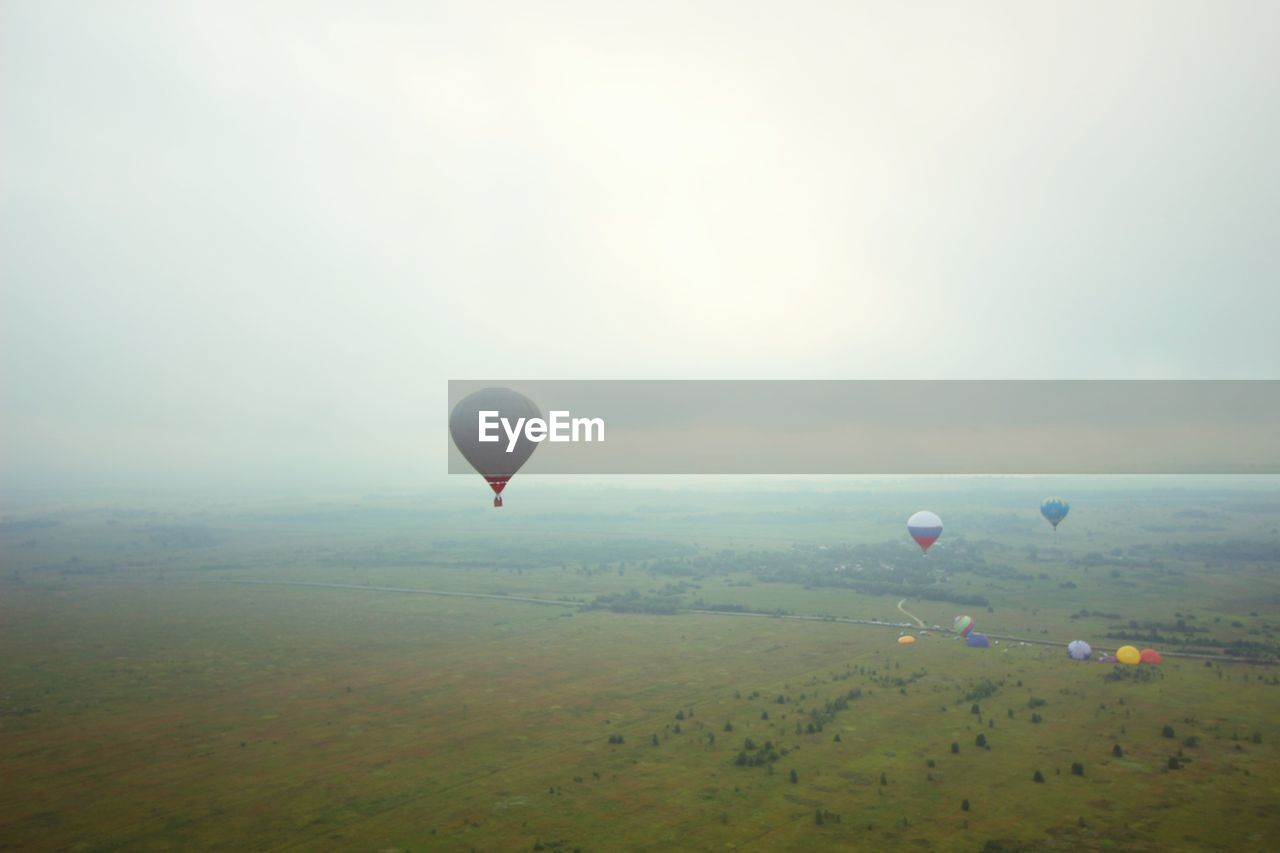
[
  {"x": 906, "y": 641},
  {"x": 1149, "y": 656},
  {"x": 1128, "y": 655}
]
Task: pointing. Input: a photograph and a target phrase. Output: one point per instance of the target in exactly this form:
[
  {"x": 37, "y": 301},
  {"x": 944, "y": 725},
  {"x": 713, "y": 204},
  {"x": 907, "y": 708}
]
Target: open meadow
[{"x": 236, "y": 675}]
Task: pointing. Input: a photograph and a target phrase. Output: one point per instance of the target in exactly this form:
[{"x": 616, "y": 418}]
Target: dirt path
[{"x": 911, "y": 615}]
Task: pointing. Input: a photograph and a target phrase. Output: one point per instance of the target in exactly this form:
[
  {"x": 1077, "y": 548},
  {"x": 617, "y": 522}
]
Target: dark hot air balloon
[{"x": 496, "y": 461}]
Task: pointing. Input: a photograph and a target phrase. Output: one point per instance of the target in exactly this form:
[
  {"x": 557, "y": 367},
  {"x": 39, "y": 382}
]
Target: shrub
[{"x": 1039, "y": 777}]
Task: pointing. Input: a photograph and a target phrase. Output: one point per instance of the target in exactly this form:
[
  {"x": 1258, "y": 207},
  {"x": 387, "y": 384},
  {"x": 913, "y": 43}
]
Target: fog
[{"x": 246, "y": 246}]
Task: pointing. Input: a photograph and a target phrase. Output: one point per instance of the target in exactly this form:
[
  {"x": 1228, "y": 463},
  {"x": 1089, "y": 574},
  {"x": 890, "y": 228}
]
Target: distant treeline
[{"x": 1237, "y": 550}]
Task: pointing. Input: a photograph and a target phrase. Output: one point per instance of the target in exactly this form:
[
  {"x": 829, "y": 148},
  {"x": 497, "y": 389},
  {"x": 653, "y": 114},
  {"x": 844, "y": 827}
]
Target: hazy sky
[{"x": 252, "y": 241}]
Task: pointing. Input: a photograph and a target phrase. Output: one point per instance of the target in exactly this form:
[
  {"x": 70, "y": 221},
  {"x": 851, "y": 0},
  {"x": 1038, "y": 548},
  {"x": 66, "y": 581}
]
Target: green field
[{"x": 152, "y": 699}]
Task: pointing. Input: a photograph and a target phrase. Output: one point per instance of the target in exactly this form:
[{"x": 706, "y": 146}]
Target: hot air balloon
[
  {"x": 978, "y": 641},
  {"x": 925, "y": 528},
  {"x": 906, "y": 641},
  {"x": 1149, "y": 656},
  {"x": 492, "y": 459},
  {"x": 1128, "y": 655},
  {"x": 963, "y": 626},
  {"x": 1054, "y": 510},
  {"x": 1108, "y": 659},
  {"x": 1079, "y": 650}
]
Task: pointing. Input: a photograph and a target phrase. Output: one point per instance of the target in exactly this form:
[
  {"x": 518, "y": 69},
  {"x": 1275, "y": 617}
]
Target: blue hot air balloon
[
  {"x": 1054, "y": 510},
  {"x": 978, "y": 641},
  {"x": 1079, "y": 650}
]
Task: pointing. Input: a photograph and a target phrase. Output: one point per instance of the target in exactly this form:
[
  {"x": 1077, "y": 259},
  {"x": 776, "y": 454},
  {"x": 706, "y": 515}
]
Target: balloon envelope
[
  {"x": 1107, "y": 659},
  {"x": 1149, "y": 656},
  {"x": 924, "y": 527},
  {"x": 906, "y": 641},
  {"x": 1079, "y": 650},
  {"x": 492, "y": 459},
  {"x": 1054, "y": 510},
  {"x": 1128, "y": 655},
  {"x": 963, "y": 626},
  {"x": 978, "y": 641}
]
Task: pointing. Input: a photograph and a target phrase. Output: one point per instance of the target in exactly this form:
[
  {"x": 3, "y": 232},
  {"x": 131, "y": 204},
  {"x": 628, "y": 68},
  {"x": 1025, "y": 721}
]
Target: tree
[
  {"x": 1117, "y": 751},
  {"x": 1039, "y": 777},
  {"x": 837, "y": 737},
  {"x": 964, "y": 805},
  {"x": 1173, "y": 763},
  {"x": 676, "y": 730},
  {"x": 974, "y": 709},
  {"x": 728, "y": 726},
  {"x": 884, "y": 780},
  {"x": 679, "y": 715},
  {"x": 955, "y": 748},
  {"x": 764, "y": 715},
  {"x": 1167, "y": 731},
  {"x": 1077, "y": 769},
  {"x": 981, "y": 740},
  {"x": 794, "y": 777},
  {"x": 817, "y": 816}
]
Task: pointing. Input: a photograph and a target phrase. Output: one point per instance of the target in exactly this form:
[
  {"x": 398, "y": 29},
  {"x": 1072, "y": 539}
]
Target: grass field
[{"x": 151, "y": 700}]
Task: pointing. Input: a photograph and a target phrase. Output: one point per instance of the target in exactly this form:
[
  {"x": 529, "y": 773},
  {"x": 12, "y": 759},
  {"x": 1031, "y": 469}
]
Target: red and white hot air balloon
[{"x": 925, "y": 527}]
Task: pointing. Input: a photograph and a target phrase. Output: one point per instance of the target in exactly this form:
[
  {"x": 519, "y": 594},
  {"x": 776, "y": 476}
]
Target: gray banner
[{"x": 902, "y": 427}]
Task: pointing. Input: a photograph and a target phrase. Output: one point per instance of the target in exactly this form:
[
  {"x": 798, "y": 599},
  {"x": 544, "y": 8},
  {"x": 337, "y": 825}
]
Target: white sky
[{"x": 251, "y": 241}]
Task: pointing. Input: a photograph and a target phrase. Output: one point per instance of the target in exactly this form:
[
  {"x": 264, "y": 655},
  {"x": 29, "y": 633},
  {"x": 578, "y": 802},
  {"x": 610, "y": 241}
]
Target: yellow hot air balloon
[
  {"x": 1128, "y": 654},
  {"x": 906, "y": 641}
]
